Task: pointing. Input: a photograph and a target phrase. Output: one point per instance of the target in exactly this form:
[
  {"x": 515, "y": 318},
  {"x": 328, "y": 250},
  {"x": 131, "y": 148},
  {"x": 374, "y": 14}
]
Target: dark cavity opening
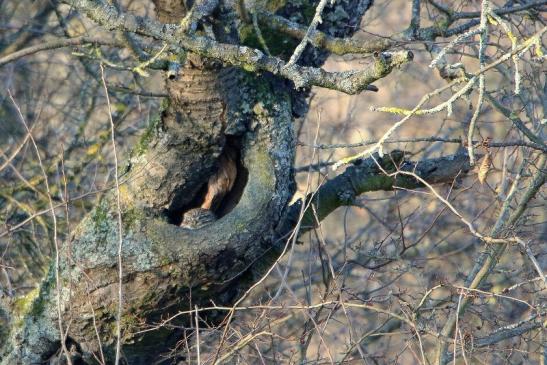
[{"x": 230, "y": 200}]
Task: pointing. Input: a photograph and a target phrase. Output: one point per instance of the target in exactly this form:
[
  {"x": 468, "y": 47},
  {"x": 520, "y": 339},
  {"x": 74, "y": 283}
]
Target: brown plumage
[
  {"x": 218, "y": 186},
  {"x": 197, "y": 218},
  {"x": 222, "y": 181}
]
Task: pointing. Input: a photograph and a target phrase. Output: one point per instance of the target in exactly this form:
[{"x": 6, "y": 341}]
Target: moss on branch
[
  {"x": 253, "y": 60},
  {"x": 277, "y": 25},
  {"x": 372, "y": 174}
]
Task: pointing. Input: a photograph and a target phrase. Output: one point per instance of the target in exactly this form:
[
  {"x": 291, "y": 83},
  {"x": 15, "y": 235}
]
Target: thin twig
[
  {"x": 119, "y": 217},
  {"x": 313, "y": 25},
  {"x": 58, "y": 288},
  {"x": 532, "y": 258},
  {"x": 483, "y": 40},
  {"x": 60, "y": 43}
]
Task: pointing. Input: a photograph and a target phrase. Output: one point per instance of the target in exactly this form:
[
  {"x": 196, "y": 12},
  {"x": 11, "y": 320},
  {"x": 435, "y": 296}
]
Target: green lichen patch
[
  {"x": 279, "y": 44},
  {"x": 23, "y": 304},
  {"x": 145, "y": 139}
]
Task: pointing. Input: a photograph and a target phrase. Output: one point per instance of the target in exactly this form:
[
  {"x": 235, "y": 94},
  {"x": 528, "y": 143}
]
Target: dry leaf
[{"x": 484, "y": 167}]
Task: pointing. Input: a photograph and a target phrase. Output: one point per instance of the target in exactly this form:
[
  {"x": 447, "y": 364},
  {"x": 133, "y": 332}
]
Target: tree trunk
[{"x": 166, "y": 268}]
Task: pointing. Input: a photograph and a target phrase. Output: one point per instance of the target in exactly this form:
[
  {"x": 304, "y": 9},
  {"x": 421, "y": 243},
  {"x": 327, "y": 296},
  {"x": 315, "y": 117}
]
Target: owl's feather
[
  {"x": 197, "y": 218},
  {"x": 222, "y": 181}
]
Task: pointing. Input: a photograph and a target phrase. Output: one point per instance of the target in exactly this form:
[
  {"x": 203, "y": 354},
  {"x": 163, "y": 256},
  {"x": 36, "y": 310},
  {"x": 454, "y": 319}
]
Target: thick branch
[
  {"x": 366, "y": 176},
  {"x": 351, "y": 82},
  {"x": 339, "y": 46},
  {"x": 508, "y": 332},
  {"x": 505, "y": 333}
]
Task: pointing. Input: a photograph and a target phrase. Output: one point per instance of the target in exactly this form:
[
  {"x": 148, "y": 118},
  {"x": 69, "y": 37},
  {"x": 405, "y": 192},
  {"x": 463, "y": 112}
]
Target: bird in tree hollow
[
  {"x": 219, "y": 184},
  {"x": 197, "y": 218}
]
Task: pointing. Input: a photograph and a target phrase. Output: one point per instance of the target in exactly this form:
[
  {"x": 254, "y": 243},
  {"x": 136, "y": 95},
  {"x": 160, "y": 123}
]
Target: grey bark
[{"x": 166, "y": 268}]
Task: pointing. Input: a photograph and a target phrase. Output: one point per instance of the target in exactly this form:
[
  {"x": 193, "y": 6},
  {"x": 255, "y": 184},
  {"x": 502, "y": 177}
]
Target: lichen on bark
[{"x": 164, "y": 265}]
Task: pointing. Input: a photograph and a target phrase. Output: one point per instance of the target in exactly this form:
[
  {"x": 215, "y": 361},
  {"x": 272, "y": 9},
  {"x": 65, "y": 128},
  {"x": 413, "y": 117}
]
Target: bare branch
[
  {"x": 350, "y": 82},
  {"x": 488, "y": 260},
  {"x": 339, "y": 46},
  {"x": 364, "y": 176},
  {"x": 311, "y": 29},
  {"x": 325, "y": 146},
  {"x": 60, "y": 43}
]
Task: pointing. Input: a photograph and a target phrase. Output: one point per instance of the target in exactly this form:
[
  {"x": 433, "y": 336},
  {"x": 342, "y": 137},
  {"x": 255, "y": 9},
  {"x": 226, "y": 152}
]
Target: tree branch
[
  {"x": 490, "y": 257},
  {"x": 60, "y": 43},
  {"x": 510, "y": 331},
  {"x": 199, "y": 10},
  {"x": 339, "y": 46},
  {"x": 475, "y": 14},
  {"x": 367, "y": 175},
  {"x": 253, "y": 60}
]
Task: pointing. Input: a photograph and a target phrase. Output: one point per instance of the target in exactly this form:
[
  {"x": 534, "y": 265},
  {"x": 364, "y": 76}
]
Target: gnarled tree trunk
[{"x": 166, "y": 268}]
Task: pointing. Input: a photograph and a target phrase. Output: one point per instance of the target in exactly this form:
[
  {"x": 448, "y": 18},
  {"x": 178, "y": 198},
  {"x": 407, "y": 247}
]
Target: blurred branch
[
  {"x": 140, "y": 92},
  {"x": 8, "y": 159},
  {"x": 200, "y": 10},
  {"x": 516, "y": 121},
  {"x": 489, "y": 259},
  {"x": 526, "y": 247},
  {"x": 30, "y": 30},
  {"x": 415, "y": 16},
  {"x": 60, "y": 43},
  {"x": 506, "y": 332},
  {"x": 475, "y": 14},
  {"x": 442, "y": 28},
  {"x": 511, "y": 330},
  {"x": 324, "y": 146}
]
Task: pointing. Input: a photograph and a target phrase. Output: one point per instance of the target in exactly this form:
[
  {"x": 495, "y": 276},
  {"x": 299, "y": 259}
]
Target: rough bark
[
  {"x": 372, "y": 174},
  {"x": 167, "y": 268}
]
